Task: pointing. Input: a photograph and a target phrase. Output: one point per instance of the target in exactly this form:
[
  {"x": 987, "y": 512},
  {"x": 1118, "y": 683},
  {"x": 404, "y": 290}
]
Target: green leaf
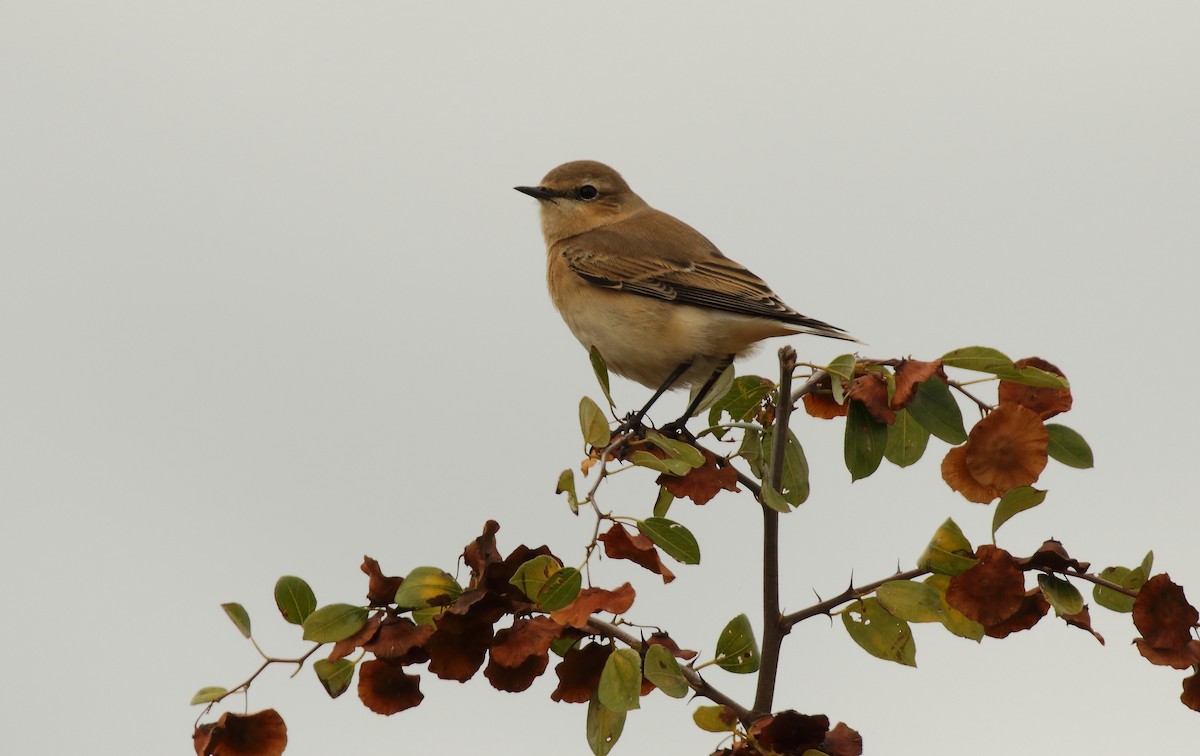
[
  {"x": 663, "y": 670},
  {"x": 714, "y": 719},
  {"x": 601, "y": 371},
  {"x": 751, "y": 450},
  {"x": 742, "y": 400},
  {"x": 910, "y": 601},
  {"x": 906, "y": 440},
  {"x": 1032, "y": 376},
  {"x": 294, "y": 598},
  {"x": 677, "y": 449},
  {"x": 1133, "y": 579},
  {"x": 532, "y": 575},
  {"x": 566, "y": 484},
  {"x": 334, "y": 622},
  {"x": 427, "y": 586},
  {"x": 879, "y": 633},
  {"x": 979, "y": 359},
  {"x": 714, "y": 395},
  {"x": 208, "y": 695},
  {"x": 1064, "y": 597},
  {"x": 1068, "y": 447},
  {"x": 952, "y": 619},
  {"x": 947, "y": 551},
  {"x": 737, "y": 650},
  {"x": 239, "y": 617},
  {"x": 864, "y": 441},
  {"x": 560, "y": 589},
  {"x": 1013, "y": 502},
  {"x": 934, "y": 408},
  {"x": 335, "y": 676},
  {"x": 643, "y": 458},
  {"x": 593, "y": 423},
  {"x": 673, "y": 538},
  {"x": 774, "y": 499},
  {"x": 604, "y": 727},
  {"x": 663, "y": 502},
  {"x": 620, "y": 686},
  {"x": 794, "y": 483},
  {"x": 561, "y": 646},
  {"x": 842, "y": 367}
]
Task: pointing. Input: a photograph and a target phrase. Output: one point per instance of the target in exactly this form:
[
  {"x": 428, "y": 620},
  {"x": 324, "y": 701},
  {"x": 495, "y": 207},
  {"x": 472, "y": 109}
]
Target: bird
[{"x": 660, "y": 303}]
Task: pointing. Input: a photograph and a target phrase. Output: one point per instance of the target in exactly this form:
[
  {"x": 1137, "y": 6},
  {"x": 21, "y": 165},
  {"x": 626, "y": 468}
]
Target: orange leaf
[
  {"x": 959, "y": 478},
  {"x": 385, "y": 688},
  {"x": 909, "y": 374},
  {"x": 1046, "y": 402},
  {"x": 619, "y": 543},
  {"x": 871, "y": 390},
  {"x": 1162, "y": 614},
  {"x": 989, "y": 592},
  {"x": 592, "y": 600},
  {"x": 260, "y": 734},
  {"x": 701, "y": 484},
  {"x": 1007, "y": 448}
]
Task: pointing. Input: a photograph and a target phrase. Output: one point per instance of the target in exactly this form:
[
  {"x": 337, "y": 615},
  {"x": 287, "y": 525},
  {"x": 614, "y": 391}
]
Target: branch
[
  {"x": 773, "y": 631},
  {"x": 694, "y": 680},
  {"x": 788, "y": 621},
  {"x": 807, "y": 387}
]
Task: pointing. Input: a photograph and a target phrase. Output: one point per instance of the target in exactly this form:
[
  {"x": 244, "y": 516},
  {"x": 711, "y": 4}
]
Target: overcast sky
[{"x": 269, "y": 303}]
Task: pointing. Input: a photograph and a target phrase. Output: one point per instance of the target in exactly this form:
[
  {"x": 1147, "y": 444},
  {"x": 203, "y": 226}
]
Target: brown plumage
[{"x": 646, "y": 289}]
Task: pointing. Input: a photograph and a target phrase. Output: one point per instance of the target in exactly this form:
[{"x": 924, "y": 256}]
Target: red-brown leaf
[
  {"x": 1046, "y": 402},
  {"x": 458, "y": 646},
  {"x": 1162, "y": 614},
  {"x": 843, "y": 741},
  {"x": 385, "y": 688},
  {"x": 1180, "y": 657},
  {"x": 579, "y": 672},
  {"x": 381, "y": 589},
  {"x": 401, "y": 640},
  {"x": 910, "y": 374},
  {"x": 989, "y": 592},
  {"x": 790, "y": 732},
  {"x": 593, "y": 600},
  {"x": 701, "y": 484},
  {"x": 619, "y": 543},
  {"x": 260, "y": 734},
  {"x": 871, "y": 390}
]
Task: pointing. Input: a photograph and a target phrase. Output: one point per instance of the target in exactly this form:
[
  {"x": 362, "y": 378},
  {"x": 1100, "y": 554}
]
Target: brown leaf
[
  {"x": 1191, "y": 692},
  {"x": 871, "y": 390},
  {"x": 526, "y": 638},
  {"x": 1180, "y": 657},
  {"x": 1083, "y": 621},
  {"x": 790, "y": 733},
  {"x": 821, "y": 404},
  {"x": 910, "y": 374},
  {"x": 1031, "y": 610},
  {"x": 1051, "y": 555},
  {"x": 401, "y": 640},
  {"x": 593, "y": 600},
  {"x": 579, "y": 672},
  {"x": 1162, "y": 614},
  {"x": 482, "y": 551},
  {"x": 260, "y": 734},
  {"x": 1046, "y": 402},
  {"x": 344, "y": 648},
  {"x": 1007, "y": 448},
  {"x": 381, "y": 589},
  {"x": 701, "y": 484},
  {"x": 619, "y": 543},
  {"x": 660, "y": 638},
  {"x": 385, "y": 688},
  {"x": 458, "y": 646},
  {"x": 959, "y": 478},
  {"x": 990, "y": 591},
  {"x": 843, "y": 741}
]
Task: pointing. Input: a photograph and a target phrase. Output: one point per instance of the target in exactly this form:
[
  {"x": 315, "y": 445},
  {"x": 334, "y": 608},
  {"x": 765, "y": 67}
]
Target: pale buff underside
[{"x": 644, "y": 339}]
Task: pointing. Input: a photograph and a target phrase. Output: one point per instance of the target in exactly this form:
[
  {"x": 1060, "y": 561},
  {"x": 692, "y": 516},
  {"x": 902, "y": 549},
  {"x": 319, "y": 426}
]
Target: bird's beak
[{"x": 537, "y": 192}]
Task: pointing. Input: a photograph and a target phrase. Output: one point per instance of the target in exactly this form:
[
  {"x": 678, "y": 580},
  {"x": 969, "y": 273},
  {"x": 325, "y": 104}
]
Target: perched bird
[{"x": 656, "y": 298}]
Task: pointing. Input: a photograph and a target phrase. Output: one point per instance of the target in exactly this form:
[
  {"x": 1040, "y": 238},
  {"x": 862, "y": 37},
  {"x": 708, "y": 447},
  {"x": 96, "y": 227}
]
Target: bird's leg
[
  {"x": 634, "y": 420},
  {"x": 679, "y": 424}
]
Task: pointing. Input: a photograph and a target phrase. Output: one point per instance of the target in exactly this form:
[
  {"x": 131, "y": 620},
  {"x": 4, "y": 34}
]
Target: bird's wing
[{"x": 715, "y": 282}]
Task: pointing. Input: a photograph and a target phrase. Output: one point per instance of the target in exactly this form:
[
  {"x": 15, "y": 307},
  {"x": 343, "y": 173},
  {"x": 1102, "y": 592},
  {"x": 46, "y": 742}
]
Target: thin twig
[
  {"x": 808, "y": 386},
  {"x": 788, "y": 621}
]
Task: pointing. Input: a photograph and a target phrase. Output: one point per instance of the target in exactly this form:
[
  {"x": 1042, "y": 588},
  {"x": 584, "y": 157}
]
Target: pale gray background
[{"x": 269, "y": 303}]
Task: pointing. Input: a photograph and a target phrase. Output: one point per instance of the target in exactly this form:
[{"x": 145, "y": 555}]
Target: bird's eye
[{"x": 587, "y": 192}]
